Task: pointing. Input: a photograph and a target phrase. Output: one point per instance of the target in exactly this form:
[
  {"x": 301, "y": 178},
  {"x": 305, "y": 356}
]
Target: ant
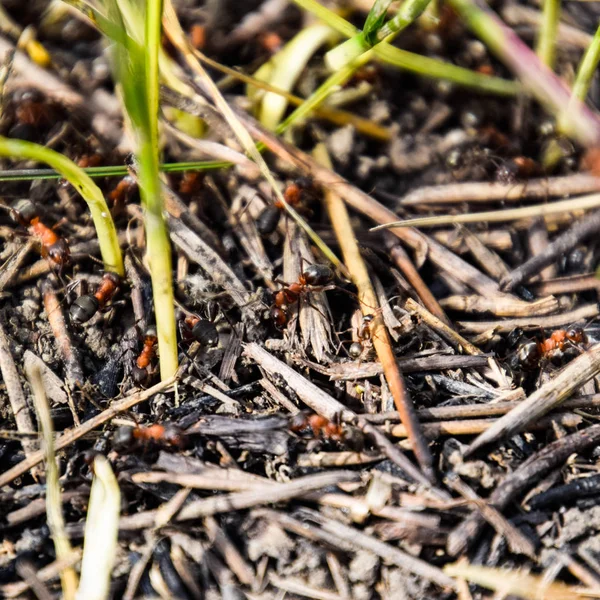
[
  {"x": 268, "y": 219},
  {"x": 167, "y": 435},
  {"x": 85, "y": 307},
  {"x": 326, "y": 429},
  {"x": 201, "y": 330},
  {"x": 123, "y": 191},
  {"x": 54, "y": 248},
  {"x": 363, "y": 334},
  {"x": 141, "y": 370},
  {"x": 531, "y": 354},
  {"x": 191, "y": 183},
  {"x": 313, "y": 276}
]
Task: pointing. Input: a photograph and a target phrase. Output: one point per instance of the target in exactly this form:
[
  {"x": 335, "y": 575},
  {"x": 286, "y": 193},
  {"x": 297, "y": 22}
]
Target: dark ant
[
  {"x": 363, "y": 335},
  {"x": 313, "y": 276},
  {"x": 327, "y": 429},
  {"x": 85, "y": 307},
  {"x": 268, "y": 219},
  {"x": 531, "y": 354},
  {"x": 141, "y": 371},
  {"x": 201, "y": 330},
  {"x": 54, "y": 248},
  {"x": 130, "y": 438}
]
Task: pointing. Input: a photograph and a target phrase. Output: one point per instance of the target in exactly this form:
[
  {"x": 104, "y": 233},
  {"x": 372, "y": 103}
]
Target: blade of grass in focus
[
  {"x": 101, "y": 533},
  {"x": 135, "y": 57},
  {"x": 54, "y": 515},
  {"x": 90, "y": 192}
]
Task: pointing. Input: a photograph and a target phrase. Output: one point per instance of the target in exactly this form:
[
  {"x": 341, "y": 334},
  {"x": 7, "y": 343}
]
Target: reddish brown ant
[
  {"x": 531, "y": 354},
  {"x": 53, "y": 247},
  {"x": 268, "y": 219},
  {"x": 32, "y": 108},
  {"x": 314, "y": 276},
  {"x": 201, "y": 330},
  {"x": 191, "y": 183},
  {"x": 167, "y": 435},
  {"x": 327, "y": 429},
  {"x": 122, "y": 192},
  {"x": 141, "y": 370},
  {"x": 85, "y": 307},
  {"x": 88, "y": 161}
]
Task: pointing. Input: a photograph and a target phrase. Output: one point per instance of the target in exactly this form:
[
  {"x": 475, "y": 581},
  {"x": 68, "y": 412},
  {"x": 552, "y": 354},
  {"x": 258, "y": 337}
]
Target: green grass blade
[{"x": 90, "y": 192}]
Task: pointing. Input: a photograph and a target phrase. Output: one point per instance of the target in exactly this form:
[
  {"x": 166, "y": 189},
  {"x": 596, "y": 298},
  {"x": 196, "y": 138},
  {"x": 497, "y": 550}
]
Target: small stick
[
  {"x": 438, "y": 429},
  {"x": 517, "y": 542},
  {"x": 548, "y": 396},
  {"x": 538, "y": 242},
  {"x": 520, "y": 480},
  {"x": 580, "y": 231},
  {"x": 567, "y": 285},
  {"x": 16, "y": 396},
  {"x": 470, "y": 411},
  {"x": 501, "y": 307},
  {"x": 367, "y": 298},
  {"x": 406, "y": 266},
  {"x": 67, "y": 438},
  {"x": 12, "y": 267},
  {"x": 441, "y": 328},
  {"x": 488, "y": 260},
  {"x": 62, "y": 336},
  {"x": 569, "y": 185},
  {"x": 583, "y": 313}
]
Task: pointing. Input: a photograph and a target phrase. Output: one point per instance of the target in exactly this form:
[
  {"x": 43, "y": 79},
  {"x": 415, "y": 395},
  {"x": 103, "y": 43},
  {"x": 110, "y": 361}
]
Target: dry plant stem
[
  {"x": 406, "y": 266},
  {"x": 547, "y": 397},
  {"x": 367, "y": 298},
  {"x": 27, "y": 572},
  {"x": 580, "y": 231},
  {"x": 317, "y": 399},
  {"x": 567, "y": 285},
  {"x": 517, "y": 542},
  {"x": 538, "y": 243},
  {"x": 487, "y": 259},
  {"x": 12, "y": 267},
  {"x": 62, "y": 337},
  {"x": 67, "y": 438},
  {"x": 438, "y": 429},
  {"x": 366, "y": 205},
  {"x": 14, "y": 590},
  {"x": 441, "y": 328},
  {"x": 16, "y": 395},
  {"x": 501, "y": 307},
  {"x": 520, "y": 480},
  {"x": 506, "y": 192},
  {"x": 587, "y": 311},
  {"x": 266, "y": 494},
  {"x": 295, "y": 587},
  {"x": 55, "y": 518}
]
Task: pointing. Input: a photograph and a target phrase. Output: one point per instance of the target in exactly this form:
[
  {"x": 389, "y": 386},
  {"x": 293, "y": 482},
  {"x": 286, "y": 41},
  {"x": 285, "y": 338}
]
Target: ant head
[
  {"x": 112, "y": 277},
  {"x": 59, "y": 253},
  {"x": 23, "y": 211},
  {"x": 173, "y": 436},
  {"x": 83, "y": 309},
  {"x": 576, "y": 334},
  {"x": 298, "y": 422},
  {"x": 150, "y": 334},
  {"x": 123, "y": 438}
]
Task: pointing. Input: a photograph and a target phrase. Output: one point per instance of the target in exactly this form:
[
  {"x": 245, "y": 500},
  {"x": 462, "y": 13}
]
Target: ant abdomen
[{"x": 83, "y": 309}]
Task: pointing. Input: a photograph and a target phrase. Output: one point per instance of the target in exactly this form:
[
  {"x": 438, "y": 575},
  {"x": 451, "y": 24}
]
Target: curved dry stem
[{"x": 340, "y": 220}]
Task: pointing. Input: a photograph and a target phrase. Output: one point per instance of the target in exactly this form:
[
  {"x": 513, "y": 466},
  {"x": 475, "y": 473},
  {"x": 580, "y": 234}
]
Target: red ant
[
  {"x": 122, "y": 192},
  {"x": 85, "y": 307},
  {"x": 363, "y": 334},
  {"x": 88, "y": 161},
  {"x": 531, "y": 354},
  {"x": 313, "y": 276},
  {"x": 54, "y": 248},
  {"x": 268, "y": 219},
  {"x": 201, "y": 330},
  {"x": 141, "y": 370},
  {"x": 31, "y": 108},
  {"x": 327, "y": 429},
  {"x": 167, "y": 435},
  {"x": 191, "y": 183}
]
